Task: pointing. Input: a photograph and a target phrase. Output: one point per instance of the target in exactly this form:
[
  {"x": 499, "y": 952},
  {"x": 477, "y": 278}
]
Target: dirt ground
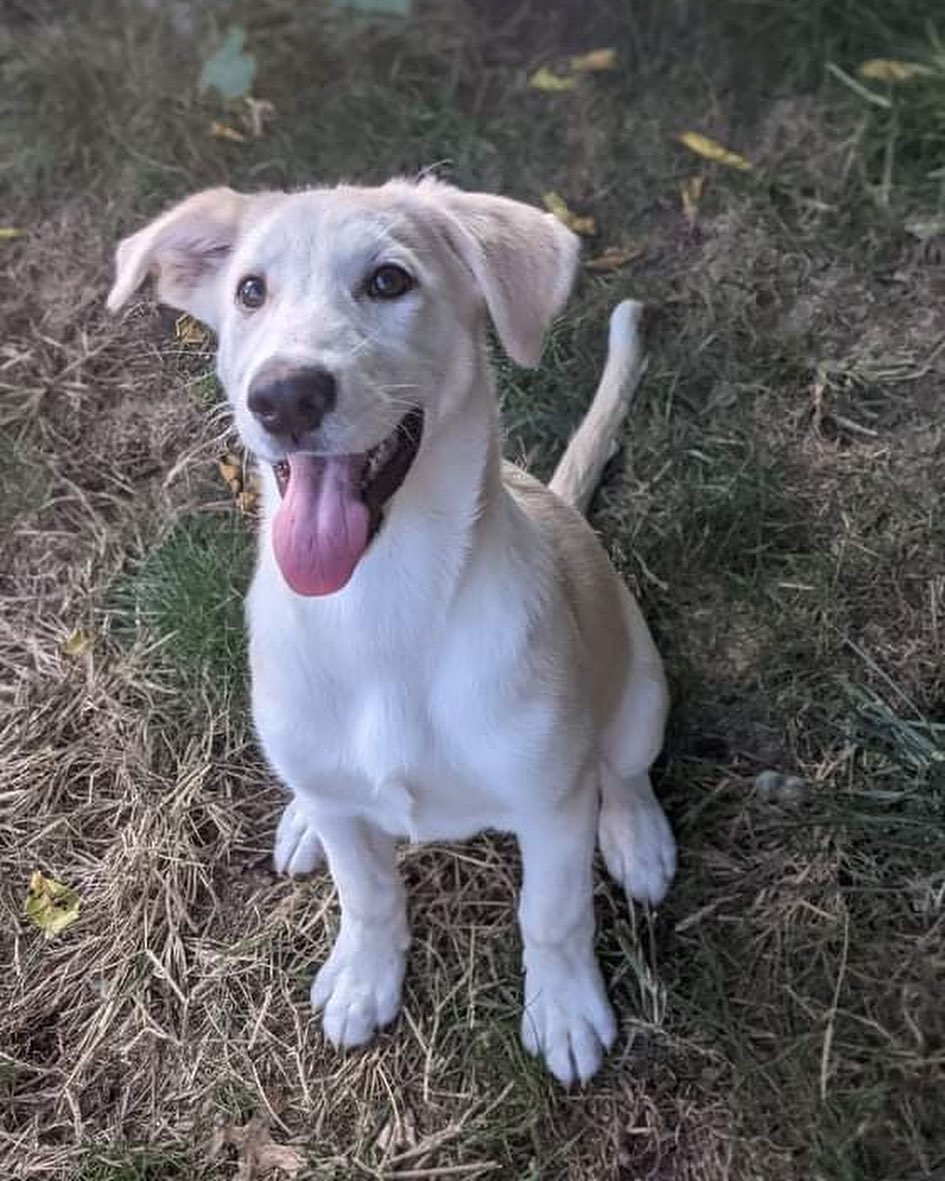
[{"x": 776, "y": 507}]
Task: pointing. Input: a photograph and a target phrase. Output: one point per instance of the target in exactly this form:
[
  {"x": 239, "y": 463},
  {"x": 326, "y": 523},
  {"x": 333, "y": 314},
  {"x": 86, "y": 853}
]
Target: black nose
[{"x": 291, "y": 403}]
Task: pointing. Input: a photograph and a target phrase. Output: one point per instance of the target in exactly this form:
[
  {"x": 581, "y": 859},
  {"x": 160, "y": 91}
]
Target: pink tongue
[{"x": 320, "y": 529}]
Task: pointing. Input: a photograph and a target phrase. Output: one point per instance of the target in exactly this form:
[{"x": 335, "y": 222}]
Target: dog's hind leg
[
  {"x": 567, "y": 1018},
  {"x": 633, "y": 833}
]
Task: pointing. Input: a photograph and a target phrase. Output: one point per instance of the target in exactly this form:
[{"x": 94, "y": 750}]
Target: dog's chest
[{"x": 407, "y": 738}]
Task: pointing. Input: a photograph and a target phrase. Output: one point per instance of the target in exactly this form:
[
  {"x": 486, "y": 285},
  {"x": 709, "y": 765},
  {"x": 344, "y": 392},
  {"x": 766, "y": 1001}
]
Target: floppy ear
[
  {"x": 185, "y": 249},
  {"x": 522, "y": 259}
]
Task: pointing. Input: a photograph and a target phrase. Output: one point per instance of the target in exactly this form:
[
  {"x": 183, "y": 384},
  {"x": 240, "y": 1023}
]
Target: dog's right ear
[
  {"x": 522, "y": 259},
  {"x": 185, "y": 249}
]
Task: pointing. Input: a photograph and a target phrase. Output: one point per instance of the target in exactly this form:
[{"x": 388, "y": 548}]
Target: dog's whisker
[
  {"x": 395, "y": 402},
  {"x": 221, "y": 413},
  {"x": 369, "y": 339}
]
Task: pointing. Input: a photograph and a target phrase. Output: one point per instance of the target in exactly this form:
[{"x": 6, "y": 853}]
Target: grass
[
  {"x": 776, "y": 508},
  {"x": 187, "y": 594},
  {"x": 135, "y": 1165}
]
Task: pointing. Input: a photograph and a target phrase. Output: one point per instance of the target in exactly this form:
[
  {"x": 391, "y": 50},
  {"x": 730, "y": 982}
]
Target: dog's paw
[
  {"x": 298, "y": 847},
  {"x": 568, "y": 1019},
  {"x": 637, "y": 845},
  {"x": 358, "y": 987}
]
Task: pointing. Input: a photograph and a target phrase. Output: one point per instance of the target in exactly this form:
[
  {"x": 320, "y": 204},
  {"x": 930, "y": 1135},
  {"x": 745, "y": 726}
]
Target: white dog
[{"x": 439, "y": 644}]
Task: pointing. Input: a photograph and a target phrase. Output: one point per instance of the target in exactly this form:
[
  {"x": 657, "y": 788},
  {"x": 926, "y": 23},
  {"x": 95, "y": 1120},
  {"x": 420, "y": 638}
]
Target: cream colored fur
[{"x": 484, "y": 667}]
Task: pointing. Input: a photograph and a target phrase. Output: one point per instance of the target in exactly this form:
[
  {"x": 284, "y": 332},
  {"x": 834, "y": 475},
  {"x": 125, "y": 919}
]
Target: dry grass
[{"x": 776, "y": 508}]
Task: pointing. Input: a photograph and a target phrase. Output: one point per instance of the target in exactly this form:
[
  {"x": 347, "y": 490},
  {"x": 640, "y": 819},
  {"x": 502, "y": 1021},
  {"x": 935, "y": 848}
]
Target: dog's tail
[{"x": 594, "y": 442}]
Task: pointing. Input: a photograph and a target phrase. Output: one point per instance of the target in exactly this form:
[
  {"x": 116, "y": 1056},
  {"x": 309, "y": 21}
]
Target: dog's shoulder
[{"x": 574, "y": 542}]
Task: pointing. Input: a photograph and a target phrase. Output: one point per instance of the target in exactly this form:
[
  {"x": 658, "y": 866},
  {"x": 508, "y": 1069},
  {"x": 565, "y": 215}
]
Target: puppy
[{"x": 438, "y": 643}]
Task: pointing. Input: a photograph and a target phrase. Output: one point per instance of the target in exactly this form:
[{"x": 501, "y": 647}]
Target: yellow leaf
[
  {"x": 231, "y": 469},
  {"x": 579, "y": 223},
  {"x": 886, "y": 69},
  {"x": 247, "y": 499},
  {"x": 613, "y": 259},
  {"x": 188, "y": 331},
  {"x": 223, "y": 131},
  {"x": 243, "y": 486},
  {"x": 690, "y": 192},
  {"x": 8, "y": 233},
  {"x": 710, "y": 150},
  {"x": 545, "y": 79},
  {"x": 76, "y": 643},
  {"x": 51, "y": 905},
  {"x": 247, "y": 502},
  {"x": 594, "y": 62}
]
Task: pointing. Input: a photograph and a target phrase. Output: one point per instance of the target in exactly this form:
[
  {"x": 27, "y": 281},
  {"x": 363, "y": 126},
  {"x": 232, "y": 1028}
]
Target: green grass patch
[
  {"x": 904, "y": 126},
  {"x": 206, "y": 391},
  {"x": 188, "y": 594},
  {"x": 820, "y": 29},
  {"x": 138, "y": 1164},
  {"x": 901, "y": 789}
]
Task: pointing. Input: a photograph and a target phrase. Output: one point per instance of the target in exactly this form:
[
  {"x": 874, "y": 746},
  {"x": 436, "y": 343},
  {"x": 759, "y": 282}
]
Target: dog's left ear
[{"x": 523, "y": 261}]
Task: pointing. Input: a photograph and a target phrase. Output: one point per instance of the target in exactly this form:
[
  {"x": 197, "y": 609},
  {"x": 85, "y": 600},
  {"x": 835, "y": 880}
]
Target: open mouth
[
  {"x": 383, "y": 469},
  {"x": 333, "y": 505}
]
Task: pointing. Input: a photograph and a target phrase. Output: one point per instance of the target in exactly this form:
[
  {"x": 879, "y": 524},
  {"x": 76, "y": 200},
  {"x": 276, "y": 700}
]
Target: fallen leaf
[
  {"x": 247, "y": 502},
  {"x": 594, "y": 62},
  {"x": 229, "y": 71},
  {"x": 51, "y": 905},
  {"x": 258, "y": 111},
  {"x": 189, "y": 331},
  {"x": 613, "y": 259},
  {"x": 579, "y": 223},
  {"x": 886, "y": 69},
  {"x": 231, "y": 469},
  {"x": 258, "y": 1155},
  {"x": 548, "y": 80},
  {"x": 76, "y": 643},
  {"x": 710, "y": 150},
  {"x": 223, "y": 131},
  {"x": 690, "y": 192},
  {"x": 242, "y": 485},
  {"x": 8, "y": 233}
]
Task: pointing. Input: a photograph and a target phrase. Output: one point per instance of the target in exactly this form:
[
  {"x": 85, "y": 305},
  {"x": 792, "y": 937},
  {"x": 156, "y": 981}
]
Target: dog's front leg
[
  {"x": 358, "y": 987},
  {"x": 298, "y": 847},
  {"x": 567, "y": 1018}
]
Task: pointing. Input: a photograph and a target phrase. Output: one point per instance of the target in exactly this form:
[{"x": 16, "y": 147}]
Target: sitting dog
[{"x": 438, "y": 642}]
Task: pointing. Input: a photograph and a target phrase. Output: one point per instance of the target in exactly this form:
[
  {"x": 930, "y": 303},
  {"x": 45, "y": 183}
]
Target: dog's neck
[{"x": 454, "y": 486}]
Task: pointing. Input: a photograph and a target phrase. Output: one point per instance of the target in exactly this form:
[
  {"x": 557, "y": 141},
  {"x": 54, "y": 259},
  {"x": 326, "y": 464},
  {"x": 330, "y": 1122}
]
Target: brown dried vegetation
[{"x": 776, "y": 507}]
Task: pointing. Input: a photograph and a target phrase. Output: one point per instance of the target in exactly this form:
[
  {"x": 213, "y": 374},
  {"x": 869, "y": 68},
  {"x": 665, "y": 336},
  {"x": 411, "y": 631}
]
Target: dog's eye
[
  {"x": 389, "y": 282},
  {"x": 251, "y": 292}
]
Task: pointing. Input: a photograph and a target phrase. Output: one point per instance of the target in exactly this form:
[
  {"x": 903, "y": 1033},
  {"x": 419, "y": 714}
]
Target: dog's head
[{"x": 349, "y": 323}]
